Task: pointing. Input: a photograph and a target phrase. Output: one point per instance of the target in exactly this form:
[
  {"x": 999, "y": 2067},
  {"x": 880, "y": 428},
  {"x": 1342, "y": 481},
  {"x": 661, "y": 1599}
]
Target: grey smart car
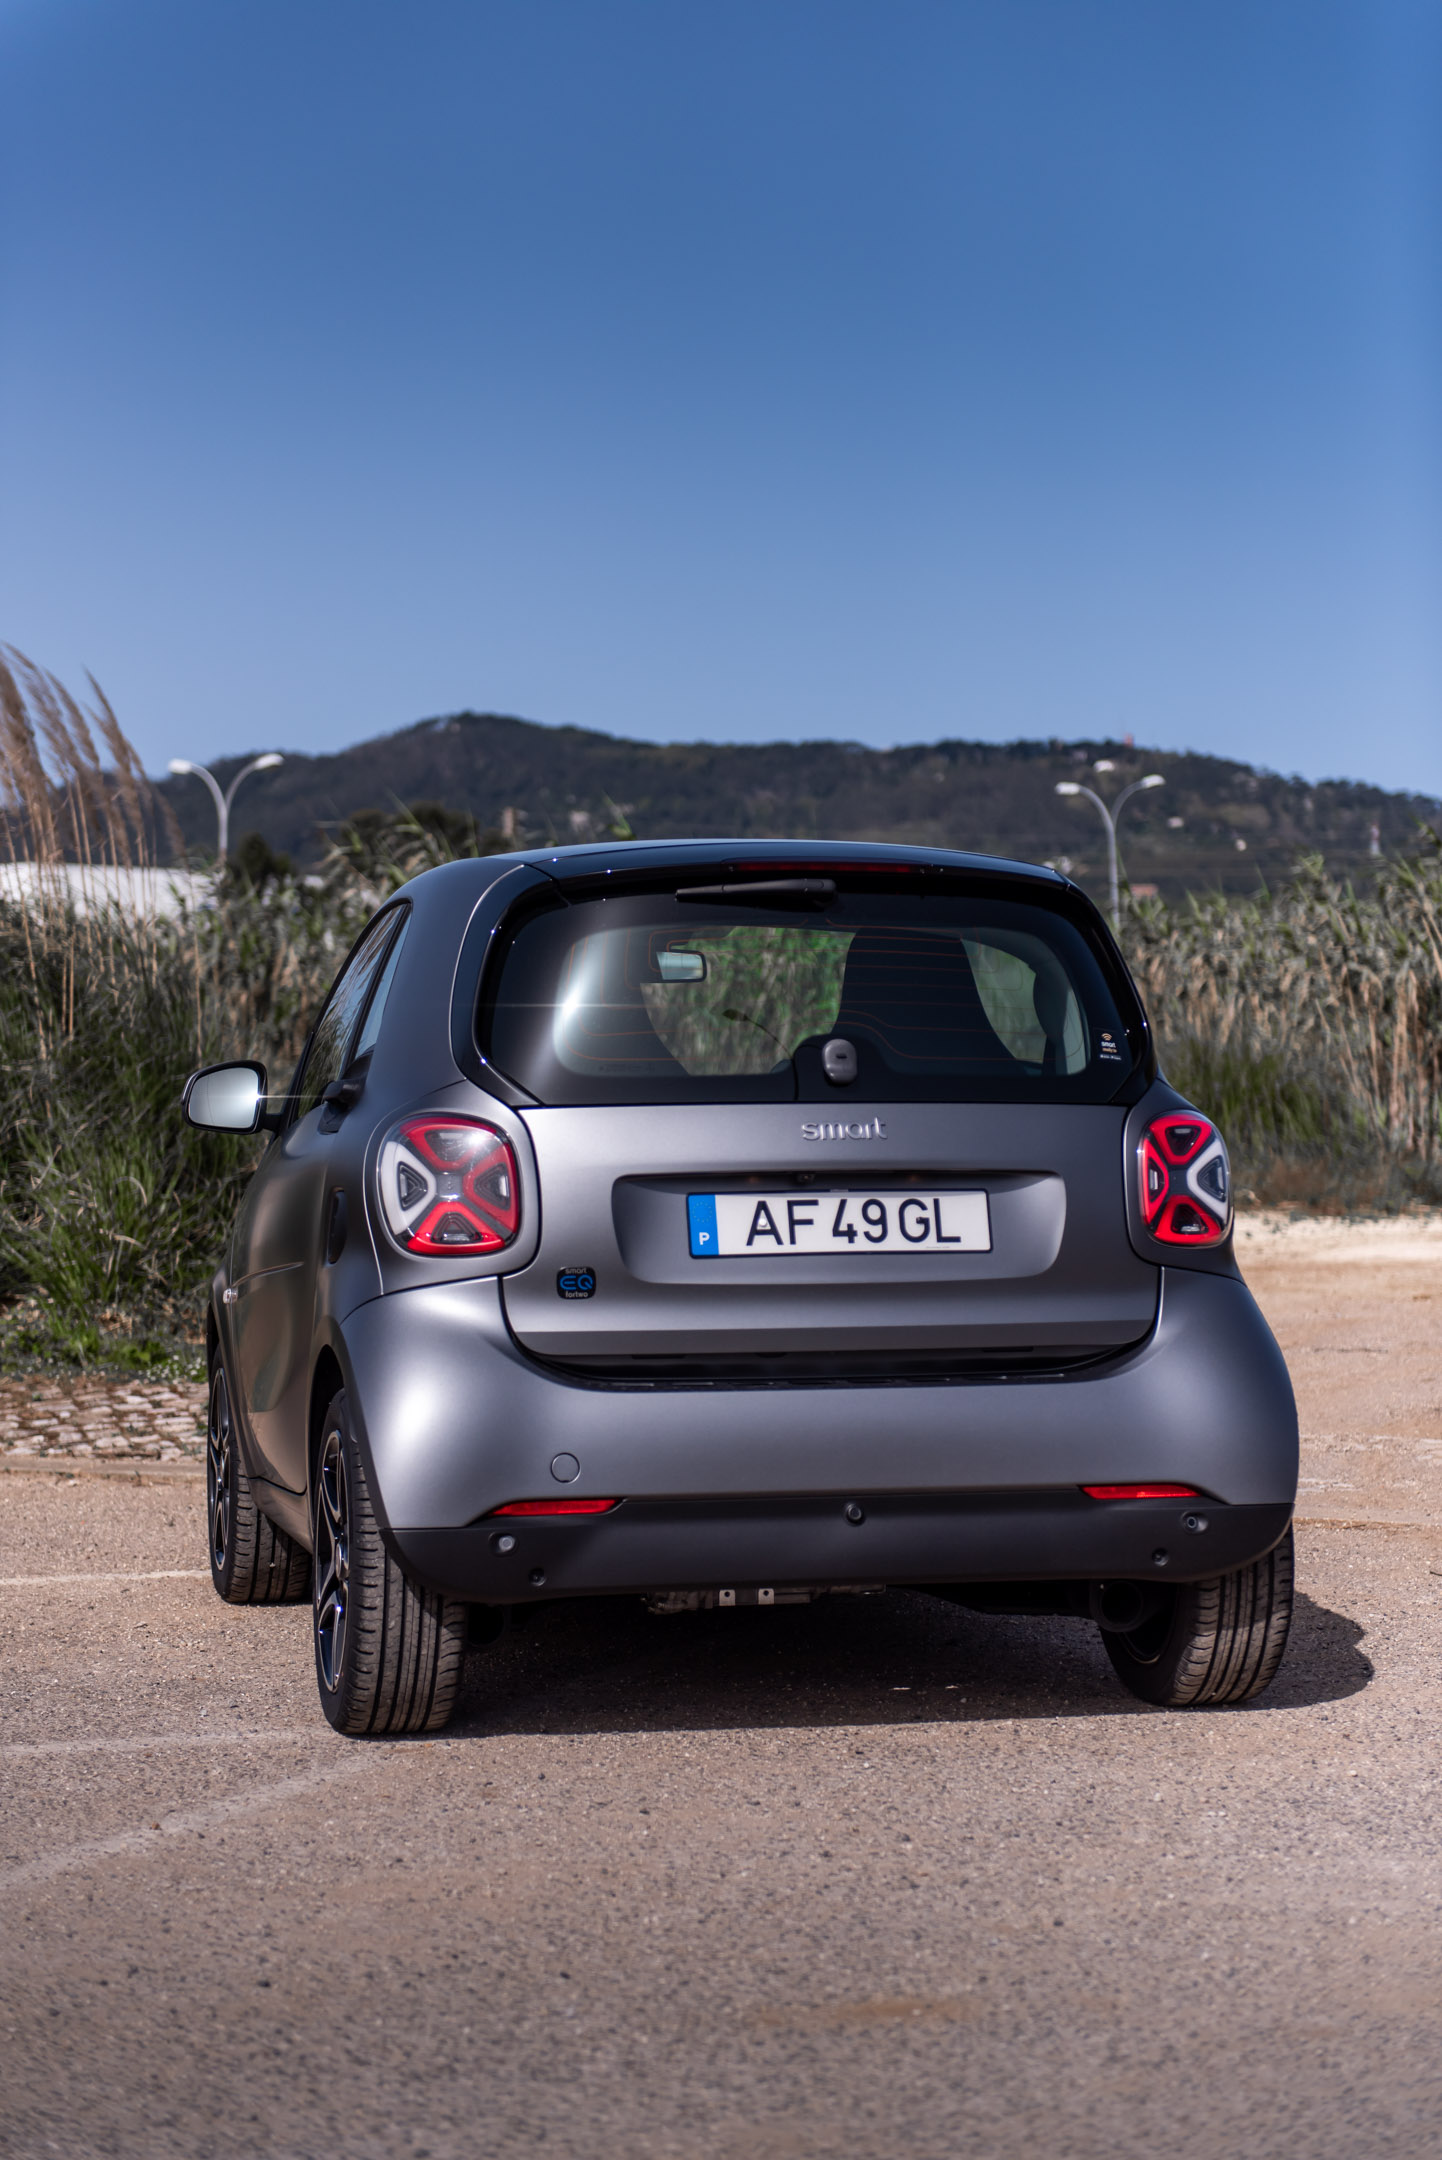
[{"x": 739, "y": 1224}]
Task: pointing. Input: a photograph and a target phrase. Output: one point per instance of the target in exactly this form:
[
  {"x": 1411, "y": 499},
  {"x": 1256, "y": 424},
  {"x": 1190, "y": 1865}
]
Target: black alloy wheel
[
  {"x": 388, "y": 1653},
  {"x": 332, "y": 1561},
  {"x": 1218, "y": 1641},
  {"x": 251, "y": 1561},
  {"x": 218, "y": 1472}
]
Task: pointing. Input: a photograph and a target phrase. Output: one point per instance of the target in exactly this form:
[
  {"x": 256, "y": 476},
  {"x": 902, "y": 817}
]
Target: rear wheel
[
  {"x": 1219, "y": 1641},
  {"x": 388, "y": 1654},
  {"x": 251, "y": 1562}
]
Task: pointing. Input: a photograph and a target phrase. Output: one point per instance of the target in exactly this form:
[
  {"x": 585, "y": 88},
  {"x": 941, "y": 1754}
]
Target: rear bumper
[
  {"x": 456, "y": 1421},
  {"x": 809, "y": 1542}
]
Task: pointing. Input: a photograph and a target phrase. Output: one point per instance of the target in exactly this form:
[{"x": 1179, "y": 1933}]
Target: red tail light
[
  {"x": 1186, "y": 1180},
  {"x": 556, "y": 1507},
  {"x": 449, "y": 1187},
  {"x": 1141, "y": 1492}
]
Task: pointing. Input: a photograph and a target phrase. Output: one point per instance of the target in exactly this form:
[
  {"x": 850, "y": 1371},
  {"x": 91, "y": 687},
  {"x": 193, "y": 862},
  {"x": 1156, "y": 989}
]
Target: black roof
[
  {"x": 592, "y": 859},
  {"x": 465, "y": 879}
]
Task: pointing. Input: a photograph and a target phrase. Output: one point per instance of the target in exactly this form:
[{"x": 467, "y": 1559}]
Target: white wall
[{"x": 95, "y": 885}]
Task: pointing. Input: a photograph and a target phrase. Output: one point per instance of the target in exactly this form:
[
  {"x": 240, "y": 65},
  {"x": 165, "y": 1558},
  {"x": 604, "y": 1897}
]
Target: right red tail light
[{"x": 1186, "y": 1180}]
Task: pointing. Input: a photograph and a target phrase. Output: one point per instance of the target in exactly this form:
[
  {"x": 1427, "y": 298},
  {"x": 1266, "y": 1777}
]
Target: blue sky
[{"x": 786, "y": 368}]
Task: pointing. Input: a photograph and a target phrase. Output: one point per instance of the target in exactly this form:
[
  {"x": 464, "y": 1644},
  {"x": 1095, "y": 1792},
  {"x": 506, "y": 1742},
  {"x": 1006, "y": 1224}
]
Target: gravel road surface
[{"x": 875, "y": 1878}]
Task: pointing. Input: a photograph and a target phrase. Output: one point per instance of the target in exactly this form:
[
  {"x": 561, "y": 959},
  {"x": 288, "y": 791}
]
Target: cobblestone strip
[{"x": 103, "y": 1420}]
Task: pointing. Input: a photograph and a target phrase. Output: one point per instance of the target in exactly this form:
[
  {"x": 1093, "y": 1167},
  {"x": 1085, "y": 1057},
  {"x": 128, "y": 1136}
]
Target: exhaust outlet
[{"x": 1118, "y": 1607}]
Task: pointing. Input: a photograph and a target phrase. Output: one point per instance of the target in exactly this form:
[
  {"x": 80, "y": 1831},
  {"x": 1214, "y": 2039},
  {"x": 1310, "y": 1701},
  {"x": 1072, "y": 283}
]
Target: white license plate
[{"x": 727, "y": 1226}]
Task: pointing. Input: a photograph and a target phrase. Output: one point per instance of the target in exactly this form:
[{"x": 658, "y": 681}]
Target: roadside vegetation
[
  {"x": 111, "y": 1209},
  {"x": 1308, "y": 1021}
]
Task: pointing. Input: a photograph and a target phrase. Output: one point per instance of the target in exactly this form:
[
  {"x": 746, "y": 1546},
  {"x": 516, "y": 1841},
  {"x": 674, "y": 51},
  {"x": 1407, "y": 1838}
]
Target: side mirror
[{"x": 226, "y": 1098}]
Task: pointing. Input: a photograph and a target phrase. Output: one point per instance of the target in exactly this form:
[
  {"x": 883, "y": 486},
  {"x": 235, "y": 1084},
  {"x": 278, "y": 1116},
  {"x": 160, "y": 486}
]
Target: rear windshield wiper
[{"x": 817, "y": 892}]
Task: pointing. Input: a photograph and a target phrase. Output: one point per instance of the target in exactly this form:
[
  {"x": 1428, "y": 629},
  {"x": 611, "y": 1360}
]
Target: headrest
[{"x": 913, "y": 994}]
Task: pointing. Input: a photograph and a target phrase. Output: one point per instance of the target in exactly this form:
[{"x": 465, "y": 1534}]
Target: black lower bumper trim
[{"x": 815, "y": 1540}]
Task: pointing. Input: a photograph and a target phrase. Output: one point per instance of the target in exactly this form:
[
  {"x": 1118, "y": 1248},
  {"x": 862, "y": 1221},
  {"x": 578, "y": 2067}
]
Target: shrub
[
  {"x": 1309, "y": 1022},
  {"x": 112, "y": 1210}
]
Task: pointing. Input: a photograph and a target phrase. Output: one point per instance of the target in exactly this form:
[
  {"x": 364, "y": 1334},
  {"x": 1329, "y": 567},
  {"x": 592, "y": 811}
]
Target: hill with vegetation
[{"x": 1216, "y": 825}]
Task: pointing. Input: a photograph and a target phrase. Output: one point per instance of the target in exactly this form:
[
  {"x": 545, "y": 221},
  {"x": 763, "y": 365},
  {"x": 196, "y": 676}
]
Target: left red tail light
[
  {"x": 1186, "y": 1180},
  {"x": 449, "y": 1187}
]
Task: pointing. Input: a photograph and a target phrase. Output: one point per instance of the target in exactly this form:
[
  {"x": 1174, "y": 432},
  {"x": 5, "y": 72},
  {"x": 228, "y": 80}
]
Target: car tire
[
  {"x": 388, "y": 1654},
  {"x": 1218, "y": 1641},
  {"x": 251, "y": 1562}
]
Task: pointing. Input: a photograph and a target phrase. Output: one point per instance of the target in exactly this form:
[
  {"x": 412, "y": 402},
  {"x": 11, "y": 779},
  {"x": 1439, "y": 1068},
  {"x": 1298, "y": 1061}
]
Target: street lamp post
[
  {"x": 1109, "y": 819},
  {"x": 181, "y": 766}
]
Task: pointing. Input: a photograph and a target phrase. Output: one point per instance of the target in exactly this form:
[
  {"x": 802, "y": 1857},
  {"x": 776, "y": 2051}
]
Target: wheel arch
[
  {"x": 218, "y": 1352},
  {"x": 327, "y": 1379},
  {"x": 331, "y": 1372}
]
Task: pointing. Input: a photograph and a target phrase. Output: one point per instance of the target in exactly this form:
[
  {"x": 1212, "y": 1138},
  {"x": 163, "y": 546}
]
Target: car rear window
[{"x": 647, "y": 998}]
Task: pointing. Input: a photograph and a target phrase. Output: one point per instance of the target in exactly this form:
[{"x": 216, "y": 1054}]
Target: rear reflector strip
[
  {"x": 556, "y": 1507},
  {"x": 1141, "y": 1492}
]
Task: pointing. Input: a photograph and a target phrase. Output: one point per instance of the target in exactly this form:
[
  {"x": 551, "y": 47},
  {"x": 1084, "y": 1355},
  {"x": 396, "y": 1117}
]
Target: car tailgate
[{"x": 615, "y": 1283}]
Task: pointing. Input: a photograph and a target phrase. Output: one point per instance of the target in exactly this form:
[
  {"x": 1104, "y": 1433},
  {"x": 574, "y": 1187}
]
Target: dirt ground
[{"x": 873, "y": 1878}]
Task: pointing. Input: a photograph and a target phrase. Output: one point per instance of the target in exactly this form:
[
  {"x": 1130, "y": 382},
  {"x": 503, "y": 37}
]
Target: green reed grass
[
  {"x": 1309, "y": 1022},
  {"x": 113, "y": 1213}
]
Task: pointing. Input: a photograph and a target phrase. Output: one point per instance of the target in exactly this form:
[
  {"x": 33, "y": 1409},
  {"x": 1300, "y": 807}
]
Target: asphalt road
[{"x": 874, "y": 1878}]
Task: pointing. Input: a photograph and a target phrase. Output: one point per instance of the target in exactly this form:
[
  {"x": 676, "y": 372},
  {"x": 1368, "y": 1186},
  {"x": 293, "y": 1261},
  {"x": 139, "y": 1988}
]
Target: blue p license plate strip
[
  {"x": 742, "y": 1225},
  {"x": 701, "y": 1212}
]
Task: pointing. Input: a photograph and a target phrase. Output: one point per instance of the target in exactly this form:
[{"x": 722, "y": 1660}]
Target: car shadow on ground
[{"x": 608, "y": 1665}]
